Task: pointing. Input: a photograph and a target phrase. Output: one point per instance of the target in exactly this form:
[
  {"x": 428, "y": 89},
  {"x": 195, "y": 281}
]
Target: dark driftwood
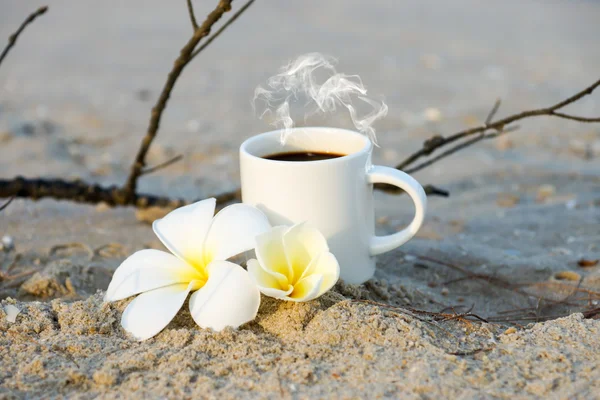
[{"x": 83, "y": 192}]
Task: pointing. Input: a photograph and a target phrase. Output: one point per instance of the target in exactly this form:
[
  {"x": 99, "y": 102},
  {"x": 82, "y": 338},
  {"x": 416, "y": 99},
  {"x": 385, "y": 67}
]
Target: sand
[
  {"x": 523, "y": 211},
  {"x": 332, "y": 347}
]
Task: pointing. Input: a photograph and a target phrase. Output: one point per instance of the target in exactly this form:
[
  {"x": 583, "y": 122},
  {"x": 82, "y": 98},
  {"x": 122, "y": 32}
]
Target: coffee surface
[{"x": 302, "y": 156}]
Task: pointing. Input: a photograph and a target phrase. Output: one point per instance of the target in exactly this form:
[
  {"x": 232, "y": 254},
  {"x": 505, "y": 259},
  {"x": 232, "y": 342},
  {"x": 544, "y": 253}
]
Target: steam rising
[{"x": 299, "y": 79}]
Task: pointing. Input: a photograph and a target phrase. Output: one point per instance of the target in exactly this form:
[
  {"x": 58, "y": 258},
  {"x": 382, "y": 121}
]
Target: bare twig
[
  {"x": 173, "y": 160},
  {"x": 416, "y": 314},
  {"x": 12, "y": 39},
  {"x": 192, "y": 16},
  {"x": 436, "y": 142},
  {"x": 460, "y": 146},
  {"x": 185, "y": 56},
  {"x": 493, "y": 112},
  {"x": 222, "y": 28},
  {"x": 473, "y": 352},
  {"x": 574, "y": 117},
  {"x": 589, "y": 314},
  {"x": 3, "y": 206},
  {"x": 451, "y": 151}
]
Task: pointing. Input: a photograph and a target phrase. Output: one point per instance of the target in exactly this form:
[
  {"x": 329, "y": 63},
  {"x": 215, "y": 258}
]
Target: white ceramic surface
[{"x": 335, "y": 195}]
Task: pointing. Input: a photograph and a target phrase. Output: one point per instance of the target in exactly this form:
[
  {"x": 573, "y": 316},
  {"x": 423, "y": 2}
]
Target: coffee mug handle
[{"x": 379, "y": 174}]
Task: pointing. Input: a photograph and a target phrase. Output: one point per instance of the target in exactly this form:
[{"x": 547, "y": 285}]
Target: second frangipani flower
[{"x": 294, "y": 263}]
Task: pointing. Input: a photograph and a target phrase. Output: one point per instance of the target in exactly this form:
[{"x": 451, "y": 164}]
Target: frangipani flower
[
  {"x": 224, "y": 293},
  {"x": 294, "y": 263}
]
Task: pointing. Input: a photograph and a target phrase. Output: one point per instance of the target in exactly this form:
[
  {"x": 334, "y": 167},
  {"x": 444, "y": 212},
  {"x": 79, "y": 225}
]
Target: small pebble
[
  {"x": 510, "y": 330},
  {"x": 193, "y": 126},
  {"x": 5, "y": 137},
  {"x": 7, "y": 243},
  {"x": 390, "y": 155},
  {"x": 151, "y": 214},
  {"x": 578, "y": 146},
  {"x": 102, "y": 206},
  {"x": 431, "y": 61},
  {"x": 11, "y": 313},
  {"x": 507, "y": 200},
  {"x": 567, "y": 276},
  {"x": 544, "y": 192},
  {"x": 432, "y": 114},
  {"x": 503, "y": 143},
  {"x": 383, "y": 220},
  {"x": 584, "y": 263},
  {"x": 445, "y": 292}
]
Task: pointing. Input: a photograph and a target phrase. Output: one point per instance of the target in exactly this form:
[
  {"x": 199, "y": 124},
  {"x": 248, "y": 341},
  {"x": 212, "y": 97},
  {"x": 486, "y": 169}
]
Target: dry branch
[
  {"x": 82, "y": 192},
  {"x": 185, "y": 56},
  {"x": 12, "y": 39},
  {"x": 498, "y": 127},
  {"x": 222, "y": 28}
]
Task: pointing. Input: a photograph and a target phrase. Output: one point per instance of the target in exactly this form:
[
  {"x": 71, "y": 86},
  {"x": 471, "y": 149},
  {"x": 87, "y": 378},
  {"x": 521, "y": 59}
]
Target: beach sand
[
  {"x": 505, "y": 246},
  {"x": 331, "y": 347}
]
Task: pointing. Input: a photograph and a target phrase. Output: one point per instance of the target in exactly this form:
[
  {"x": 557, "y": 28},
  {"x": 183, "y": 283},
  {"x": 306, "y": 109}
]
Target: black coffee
[{"x": 303, "y": 156}]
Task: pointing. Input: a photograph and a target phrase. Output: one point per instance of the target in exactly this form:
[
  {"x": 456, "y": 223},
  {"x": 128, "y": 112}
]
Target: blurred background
[{"x": 76, "y": 91}]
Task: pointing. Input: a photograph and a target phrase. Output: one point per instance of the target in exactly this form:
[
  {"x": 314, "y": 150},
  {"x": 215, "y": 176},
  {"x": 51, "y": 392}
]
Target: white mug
[{"x": 334, "y": 195}]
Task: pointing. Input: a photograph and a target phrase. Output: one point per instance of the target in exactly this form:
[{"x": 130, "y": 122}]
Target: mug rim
[{"x": 366, "y": 148}]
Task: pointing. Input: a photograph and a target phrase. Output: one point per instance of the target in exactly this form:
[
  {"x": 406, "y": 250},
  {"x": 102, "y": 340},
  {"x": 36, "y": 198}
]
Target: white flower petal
[
  {"x": 150, "y": 312},
  {"x": 233, "y": 230},
  {"x": 267, "y": 283},
  {"x": 307, "y": 288},
  {"x": 302, "y": 244},
  {"x": 271, "y": 254},
  {"x": 229, "y": 297},
  {"x": 326, "y": 265},
  {"x": 183, "y": 230},
  {"x": 147, "y": 270}
]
